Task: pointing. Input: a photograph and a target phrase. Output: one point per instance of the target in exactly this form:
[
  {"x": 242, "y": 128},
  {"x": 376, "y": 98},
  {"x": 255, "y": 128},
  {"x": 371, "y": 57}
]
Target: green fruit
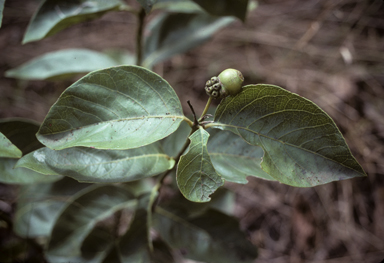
[
  {"x": 227, "y": 83},
  {"x": 231, "y": 81}
]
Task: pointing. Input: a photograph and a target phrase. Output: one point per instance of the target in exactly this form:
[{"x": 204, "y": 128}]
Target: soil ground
[{"x": 331, "y": 52}]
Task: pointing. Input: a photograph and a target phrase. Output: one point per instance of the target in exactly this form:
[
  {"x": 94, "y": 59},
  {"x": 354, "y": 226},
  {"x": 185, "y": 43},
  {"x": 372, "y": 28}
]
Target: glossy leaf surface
[
  {"x": 237, "y": 8},
  {"x": 175, "y": 33},
  {"x": 208, "y": 237},
  {"x": 62, "y": 63},
  {"x": 79, "y": 217},
  {"x": 302, "y": 145},
  {"x": 147, "y": 4},
  {"x": 100, "y": 166},
  {"x": 56, "y": 15},
  {"x": 234, "y": 159},
  {"x": 116, "y": 108},
  {"x": 196, "y": 177},
  {"x": 8, "y": 149},
  {"x": 39, "y": 205}
]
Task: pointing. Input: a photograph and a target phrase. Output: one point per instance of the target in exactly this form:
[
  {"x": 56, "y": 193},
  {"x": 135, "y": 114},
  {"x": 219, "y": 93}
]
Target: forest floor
[{"x": 331, "y": 52}]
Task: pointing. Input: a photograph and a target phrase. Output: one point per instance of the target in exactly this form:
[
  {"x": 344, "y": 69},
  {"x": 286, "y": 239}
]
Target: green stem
[
  {"x": 139, "y": 37},
  {"x": 190, "y": 123},
  {"x": 206, "y": 108}
]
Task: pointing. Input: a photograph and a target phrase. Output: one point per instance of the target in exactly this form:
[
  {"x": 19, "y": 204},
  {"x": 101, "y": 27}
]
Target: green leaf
[
  {"x": 39, "y": 205},
  {"x": 181, "y": 6},
  {"x": 175, "y": 33},
  {"x": 79, "y": 217},
  {"x": 2, "y": 2},
  {"x": 8, "y": 149},
  {"x": 302, "y": 145},
  {"x": 100, "y": 166},
  {"x": 11, "y": 175},
  {"x": 21, "y": 133},
  {"x": 147, "y": 4},
  {"x": 133, "y": 245},
  {"x": 196, "y": 176},
  {"x": 56, "y": 15},
  {"x": 62, "y": 63},
  {"x": 210, "y": 237},
  {"x": 116, "y": 108},
  {"x": 234, "y": 159},
  {"x": 237, "y": 8}
]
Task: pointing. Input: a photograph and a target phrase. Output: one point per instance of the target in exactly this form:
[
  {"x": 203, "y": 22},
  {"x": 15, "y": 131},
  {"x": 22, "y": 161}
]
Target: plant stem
[
  {"x": 153, "y": 198},
  {"x": 206, "y": 109},
  {"x": 139, "y": 37}
]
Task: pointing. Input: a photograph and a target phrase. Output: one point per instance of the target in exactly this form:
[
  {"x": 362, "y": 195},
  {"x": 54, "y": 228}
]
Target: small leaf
[
  {"x": 175, "y": 33},
  {"x": 209, "y": 237},
  {"x": 237, "y": 8},
  {"x": 196, "y": 176},
  {"x": 147, "y": 4},
  {"x": 234, "y": 159},
  {"x": 302, "y": 145},
  {"x": 80, "y": 216},
  {"x": 100, "y": 166},
  {"x": 115, "y": 108},
  {"x": 180, "y": 6},
  {"x": 8, "y": 149},
  {"x": 66, "y": 62},
  {"x": 39, "y": 205},
  {"x": 56, "y": 15}
]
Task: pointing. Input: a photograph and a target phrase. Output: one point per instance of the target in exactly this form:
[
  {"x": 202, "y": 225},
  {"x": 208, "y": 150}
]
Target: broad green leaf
[
  {"x": 100, "y": 166},
  {"x": 79, "y": 217},
  {"x": 237, "y": 8},
  {"x": 22, "y": 134},
  {"x": 302, "y": 145},
  {"x": 174, "y": 143},
  {"x": 115, "y": 108},
  {"x": 2, "y": 2},
  {"x": 39, "y": 205},
  {"x": 175, "y": 33},
  {"x": 234, "y": 159},
  {"x": 56, "y": 15},
  {"x": 181, "y": 6},
  {"x": 196, "y": 176},
  {"x": 8, "y": 149},
  {"x": 147, "y": 4},
  {"x": 11, "y": 175},
  {"x": 62, "y": 63},
  {"x": 209, "y": 237},
  {"x": 133, "y": 245}
]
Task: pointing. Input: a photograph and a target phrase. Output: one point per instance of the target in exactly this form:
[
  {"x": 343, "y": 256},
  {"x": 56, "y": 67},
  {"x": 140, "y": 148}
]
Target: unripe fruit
[
  {"x": 227, "y": 83},
  {"x": 231, "y": 80}
]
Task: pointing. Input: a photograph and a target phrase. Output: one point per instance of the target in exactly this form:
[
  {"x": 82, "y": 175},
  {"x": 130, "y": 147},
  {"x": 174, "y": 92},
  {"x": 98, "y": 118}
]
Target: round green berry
[{"x": 231, "y": 81}]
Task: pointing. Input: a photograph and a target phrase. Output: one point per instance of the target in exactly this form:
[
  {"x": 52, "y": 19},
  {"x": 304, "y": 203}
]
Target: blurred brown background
[{"x": 329, "y": 51}]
